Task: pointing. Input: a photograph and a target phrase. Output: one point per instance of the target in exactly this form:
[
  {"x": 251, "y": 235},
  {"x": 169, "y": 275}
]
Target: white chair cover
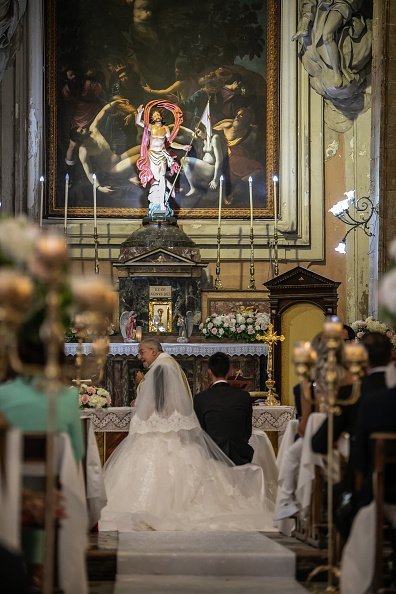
[
  {"x": 308, "y": 462},
  {"x": 10, "y": 491},
  {"x": 74, "y": 528},
  {"x": 287, "y": 525},
  {"x": 264, "y": 456},
  {"x": 357, "y": 563},
  {"x": 96, "y": 493}
]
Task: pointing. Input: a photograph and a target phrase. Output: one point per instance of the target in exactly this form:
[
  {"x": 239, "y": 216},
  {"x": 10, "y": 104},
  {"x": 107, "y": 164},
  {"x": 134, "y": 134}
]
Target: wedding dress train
[{"x": 168, "y": 474}]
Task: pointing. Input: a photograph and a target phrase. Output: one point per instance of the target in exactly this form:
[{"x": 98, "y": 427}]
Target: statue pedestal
[{"x": 160, "y": 276}]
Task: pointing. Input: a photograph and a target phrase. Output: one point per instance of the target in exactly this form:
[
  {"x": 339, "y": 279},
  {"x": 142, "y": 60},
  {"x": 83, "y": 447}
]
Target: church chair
[
  {"x": 34, "y": 473},
  {"x": 384, "y": 455}
]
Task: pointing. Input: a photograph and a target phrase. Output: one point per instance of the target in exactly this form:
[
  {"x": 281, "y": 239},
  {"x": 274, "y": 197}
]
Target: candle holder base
[{"x": 271, "y": 396}]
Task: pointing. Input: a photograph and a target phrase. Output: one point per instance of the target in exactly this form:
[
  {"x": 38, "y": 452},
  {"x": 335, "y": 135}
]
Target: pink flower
[
  {"x": 239, "y": 329},
  {"x": 251, "y": 330},
  {"x": 389, "y": 333},
  {"x": 214, "y": 330},
  {"x": 85, "y": 398},
  {"x": 360, "y": 334},
  {"x": 210, "y": 325},
  {"x": 91, "y": 390}
]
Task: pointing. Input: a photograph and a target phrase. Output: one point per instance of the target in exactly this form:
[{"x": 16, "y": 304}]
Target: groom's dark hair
[{"x": 219, "y": 364}]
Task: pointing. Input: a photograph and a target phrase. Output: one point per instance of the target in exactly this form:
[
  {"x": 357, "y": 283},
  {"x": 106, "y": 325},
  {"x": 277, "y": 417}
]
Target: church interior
[{"x": 197, "y": 296}]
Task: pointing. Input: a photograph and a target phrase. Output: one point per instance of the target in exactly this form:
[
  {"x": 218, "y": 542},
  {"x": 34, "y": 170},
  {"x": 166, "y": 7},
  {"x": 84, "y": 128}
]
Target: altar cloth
[
  {"x": 117, "y": 419},
  {"x": 199, "y": 349}
]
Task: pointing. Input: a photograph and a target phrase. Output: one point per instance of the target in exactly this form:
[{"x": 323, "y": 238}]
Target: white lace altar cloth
[
  {"x": 266, "y": 418},
  {"x": 201, "y": 349}
]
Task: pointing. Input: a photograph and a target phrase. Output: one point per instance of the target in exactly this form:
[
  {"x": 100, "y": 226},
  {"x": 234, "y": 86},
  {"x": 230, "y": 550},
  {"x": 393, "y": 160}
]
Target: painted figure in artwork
[{"x": 155, "y": 156}]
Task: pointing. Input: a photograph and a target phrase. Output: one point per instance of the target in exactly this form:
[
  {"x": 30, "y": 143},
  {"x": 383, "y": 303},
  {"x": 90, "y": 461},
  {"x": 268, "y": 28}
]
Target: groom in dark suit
[{"x": 225, "y": 413}]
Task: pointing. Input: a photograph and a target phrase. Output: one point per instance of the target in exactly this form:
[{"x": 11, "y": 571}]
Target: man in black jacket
[
  {"x": 225, "y": 413},
  {"x": 379, "y": 351}
]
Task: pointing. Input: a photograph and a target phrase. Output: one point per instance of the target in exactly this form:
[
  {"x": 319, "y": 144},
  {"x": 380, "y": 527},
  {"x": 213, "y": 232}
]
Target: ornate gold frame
[
  {"x": 156, "y": 307},
  {"x": 54, "y": 208}
]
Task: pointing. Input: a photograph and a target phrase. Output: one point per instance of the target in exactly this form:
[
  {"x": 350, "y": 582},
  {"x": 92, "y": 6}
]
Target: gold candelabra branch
[
  {"x": 271, "y": 339},
  {"x": 218, "y": 284},
  {"x": 101, "y": 348},
  {"x": 252, "y": 283},
  {"x": 96, "y": 242},
  {"x": 355, "y": 359}
]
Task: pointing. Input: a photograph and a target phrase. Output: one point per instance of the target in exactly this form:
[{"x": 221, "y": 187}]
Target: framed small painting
[
  {"x": 217, "y": 61},
  {"x": 160, "y": 316}
]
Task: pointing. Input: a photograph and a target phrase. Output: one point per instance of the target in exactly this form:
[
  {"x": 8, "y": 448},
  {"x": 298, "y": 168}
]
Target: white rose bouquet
[
  {"x": 370, "y": 324},
  {"x": 93, "y": 397},
  {"x": 235, "y": 326}
]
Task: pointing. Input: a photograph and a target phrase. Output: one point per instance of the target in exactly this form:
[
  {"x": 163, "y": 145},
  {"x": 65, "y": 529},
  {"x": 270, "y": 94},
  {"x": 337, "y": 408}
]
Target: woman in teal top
[{"x": 24, "y": 403}]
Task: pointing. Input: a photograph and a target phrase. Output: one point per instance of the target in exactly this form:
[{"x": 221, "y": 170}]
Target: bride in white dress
[{"x": 168, "y": 474}]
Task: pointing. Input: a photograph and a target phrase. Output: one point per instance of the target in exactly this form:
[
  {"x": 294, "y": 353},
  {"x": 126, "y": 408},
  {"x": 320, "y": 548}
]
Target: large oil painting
[{"x": 217, "y": 61}]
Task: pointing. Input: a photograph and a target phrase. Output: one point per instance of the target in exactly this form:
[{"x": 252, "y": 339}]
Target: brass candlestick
[
  {"x": 276, "y": 258},
  {"x": 96, "y": 242},
  {"x": 252, "y": 284},
  {"x": 218, "y": 284},
  {"x": 356, "y": 359},
  {"x": 270, "y": 338}
]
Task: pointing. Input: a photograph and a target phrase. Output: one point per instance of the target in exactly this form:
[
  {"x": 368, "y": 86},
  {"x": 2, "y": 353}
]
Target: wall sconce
[{"x": 364, "y": 209}]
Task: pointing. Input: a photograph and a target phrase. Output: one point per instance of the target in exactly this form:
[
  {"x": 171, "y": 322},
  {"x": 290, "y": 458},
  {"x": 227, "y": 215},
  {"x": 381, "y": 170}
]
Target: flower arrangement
[
  {"x": 93, "y": 397},
  {"x": 370, "y": 324},
  {"x": 244, "y": 325}
]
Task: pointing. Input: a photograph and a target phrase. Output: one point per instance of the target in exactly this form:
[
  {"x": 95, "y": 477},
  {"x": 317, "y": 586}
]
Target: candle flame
[
  {"x": 67, "y": 177},
  {"x": 275, "y": 178},
  {"x": 250, "y": 179},
  {"x": 221, "y": 178},
  {"x": 42, "y": 178},
  {"x": 94, "y": 176}
]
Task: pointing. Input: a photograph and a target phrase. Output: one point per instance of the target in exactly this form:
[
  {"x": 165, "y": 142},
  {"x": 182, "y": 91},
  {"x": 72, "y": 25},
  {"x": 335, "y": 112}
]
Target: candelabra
[
  {"x": 364, "y": 209},
  {"x": 270, "y": 338},
  {"x": 218, "y": 284},
  {"x": 94, "y": 301},
  {"x": 356, "y": 359},
  {"x": 16, "y": 292},
  {"x": 252, "y": 284},
  {"x": 48, "y": 265}
]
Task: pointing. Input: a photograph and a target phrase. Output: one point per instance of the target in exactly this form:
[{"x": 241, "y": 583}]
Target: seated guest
[
  {"x": 287, "y": 504},
  {"x": 348, "y": 334},
  {"x": 377, "y": 413},
  {"x": 379, "y": 350},
  {"x": 24, "y": 404},
  {"x": 225, "y": 413}
]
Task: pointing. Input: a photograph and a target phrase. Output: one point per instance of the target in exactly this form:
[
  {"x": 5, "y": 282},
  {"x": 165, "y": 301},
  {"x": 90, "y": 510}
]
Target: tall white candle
[
  {"x": 275, "y": 180},
  {"x": 220, "y": 198},
  {"x": 66, "y": 200},
  {"x": 251, "y": 201},
  {"x": 41, "y": 199},
  {"x": 94, "y": 198}
]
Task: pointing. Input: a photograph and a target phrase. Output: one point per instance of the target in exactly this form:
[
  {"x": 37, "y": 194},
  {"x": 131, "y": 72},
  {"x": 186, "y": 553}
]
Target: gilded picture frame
[
  {"x": 232, "y": 54},
  {"x": 160, "y": 316}
]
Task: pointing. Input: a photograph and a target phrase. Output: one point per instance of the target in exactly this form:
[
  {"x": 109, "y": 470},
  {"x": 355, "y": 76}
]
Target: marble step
[
  {"x": 192, "y": 584},
  {"x": 212, "y": 553}
]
